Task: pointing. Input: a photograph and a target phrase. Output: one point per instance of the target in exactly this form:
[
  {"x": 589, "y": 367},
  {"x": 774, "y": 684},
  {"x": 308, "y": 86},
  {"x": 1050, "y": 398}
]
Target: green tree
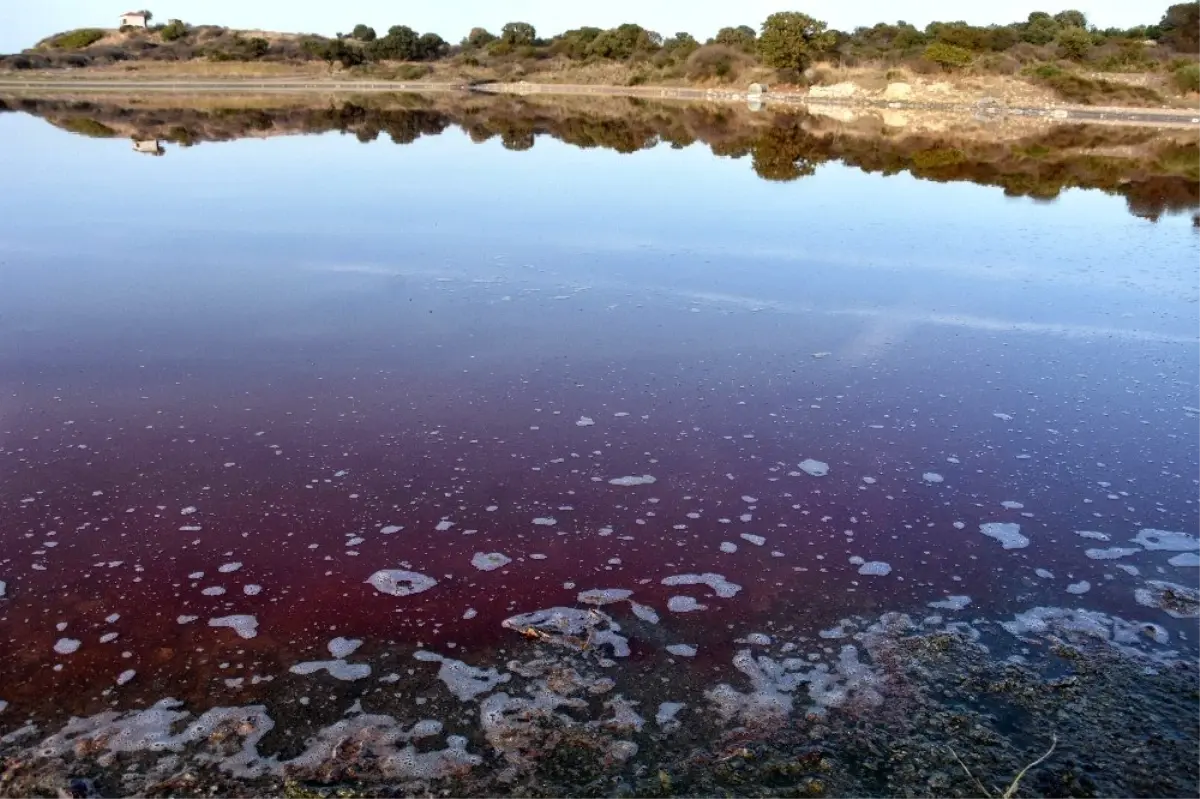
[
  {"x": 400, "y": 44},
  {"x": 364, "y": 33},
  {"x": 1040, "y": 29},
  {"x": 1074, "y": 43},
  {"x": 742, "y": 37},
  {"x": 681, "y": 45},
  {"x": 947, "y": 55},
  {"x": 173, "y": 30},
  {"x": 477, "y": 39},
  {"x": 1071, "y": 19},
  {"x": 790, "y": 40},
  {"x": 518, "y": 34},
  {"x": 145, "y": 12},
  {"x": 624, "y": 42},
  {"x": 574, "y": 44},
  {"x": 1180, "y": 27},
  {"x": 430, "y": 47}
]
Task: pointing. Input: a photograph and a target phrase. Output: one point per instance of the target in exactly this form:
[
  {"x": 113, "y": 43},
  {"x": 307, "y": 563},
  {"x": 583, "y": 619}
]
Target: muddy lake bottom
[{"x": 430, "y": 487}]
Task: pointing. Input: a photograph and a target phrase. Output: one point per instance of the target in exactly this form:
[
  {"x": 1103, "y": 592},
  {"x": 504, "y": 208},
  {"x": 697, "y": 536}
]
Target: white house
[{"x": 134, "y": 19}]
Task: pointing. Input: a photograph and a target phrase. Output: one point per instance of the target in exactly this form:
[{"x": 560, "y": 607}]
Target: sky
[{"x": 23, "y": 23}]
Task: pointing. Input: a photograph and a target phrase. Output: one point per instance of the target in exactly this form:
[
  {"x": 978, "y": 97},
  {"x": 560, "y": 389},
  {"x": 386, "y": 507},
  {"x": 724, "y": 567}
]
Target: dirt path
[{"x": 983, "y": 109}]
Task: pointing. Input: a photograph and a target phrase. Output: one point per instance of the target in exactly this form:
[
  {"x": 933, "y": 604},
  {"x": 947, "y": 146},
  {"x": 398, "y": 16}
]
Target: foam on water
[
  {"x": 244, "y": 625},
  {"x": 338, "y": 669},
  {"x": 682, "y": 650},
  {"x": 398, "y": 582},
  {"x": 814, "y": 468},
  {"x": 684, "y": 604},
  {"x": 1007, "y": 533},
  {"x": 720, "y": 586},
  {"x": 757, "y": 540},
  {"x": 67, "y": 646},
  {"x": 604, "y": 596},
  {"x": 1112, "y": 553},
  {"x": 1166, "y": 540},
  {"x": 876, "y": 568},
  {"x": 490, "y": 561},
  {"x": 952, "y": 602},
  {"x": 629, "y": 481},
  {"x": 464, "y": 681},
  {"x": 1186, "y": 560},
  {"x": 343, "y": 647}
]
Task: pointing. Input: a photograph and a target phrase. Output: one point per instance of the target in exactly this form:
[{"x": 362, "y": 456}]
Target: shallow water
[{"x": 275, "y": 352}]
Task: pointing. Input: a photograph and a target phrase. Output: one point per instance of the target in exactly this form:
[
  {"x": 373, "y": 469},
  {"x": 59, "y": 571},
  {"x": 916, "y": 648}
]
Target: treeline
[{"x": 786, "y": 42}]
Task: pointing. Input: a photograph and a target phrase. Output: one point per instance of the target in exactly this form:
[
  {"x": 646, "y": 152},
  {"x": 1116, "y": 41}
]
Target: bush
[
  {"x": 174, "y": 30},
  {"x": 1074, "y": 43},
  {"x": 716, "y": 61},
  {"x": 88, "y": 127},
  {"x": 77, "y": 40},
  {"x": 1187, "y": 78},
  {"x": 948, "y": 56}
]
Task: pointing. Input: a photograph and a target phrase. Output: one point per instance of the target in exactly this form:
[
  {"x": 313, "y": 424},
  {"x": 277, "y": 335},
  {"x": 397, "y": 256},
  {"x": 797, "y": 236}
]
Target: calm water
[{"x": 273, "y": 352}]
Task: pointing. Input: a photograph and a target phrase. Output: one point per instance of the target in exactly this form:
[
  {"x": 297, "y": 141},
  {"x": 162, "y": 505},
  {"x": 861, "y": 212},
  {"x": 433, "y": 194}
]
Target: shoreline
[{"x": 982, "y": 108}]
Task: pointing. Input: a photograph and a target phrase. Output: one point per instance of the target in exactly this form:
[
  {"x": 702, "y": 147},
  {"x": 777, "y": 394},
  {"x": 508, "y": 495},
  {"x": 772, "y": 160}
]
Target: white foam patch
[
  {"x": 1112, "y": 553},
  {"x": 644, "y": 612},
  {"x": 443, "y": 525},
  {"x": 251, "y": 589},
  {"x": 1092, "y": 534},
  {"x": 728, "y": 548},
  {"x": 398, "y": 582},
  {"x": 390, "y": 529},
  {"x": 490, "y": 561},
  {"x": 1179, "y": 601},
  {"x": 932, "y": 477},
  {"x": 545, "y": 521},
  {"x": 1010, "y": 505},
  {"x": 757, "y": 540},
  {"x": 1081, "y": 587},
  {"x": 342, "y": 648},
  {"x": 67, "y": 646},
  {"x": 665, "y": 717},
  {"x": 185, "y": 619},
  {"x": 682, "y": 650},
  {"x": 228, "y": 568},
  {"x": 633, "y": 480},
  {"x": 571, "y": 628},
  {"x": 1007, "y": 533},
  {"x": 585, "y": 421},
  {"x": 244, "y": 625},
  {"x": 814, "y": 468},
  {"x": 875, "y": 568},
  {"x": 684, "y": 604},
  {"x": 466, "y": 682},
  {"x": 338, "y": 669},
  {"x": 952, "y": 602},
  {"x": 604, "y": 596},
  {"x": 1166, "y": 540},
  {"x": 720, "y": 586},
  {"x": 126, "y": 676},
  {"x": 1185, "y": 560}
]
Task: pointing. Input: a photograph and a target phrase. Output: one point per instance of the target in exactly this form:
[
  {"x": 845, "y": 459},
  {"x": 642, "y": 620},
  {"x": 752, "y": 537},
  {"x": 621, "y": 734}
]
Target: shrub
[
  {"x": 947, "y": 55},
  {"x": 175, "y": 29},
  {"x": 412, "y": 71},
  {"x": 716, "y": 61},
  {"x": 88, "y": 127},
  {"x": 77, "y": 39},
  {"x": 791, "y": 40},
  {"x": 1187, "y": 78},
  {"x": 1074, "y": 43}
]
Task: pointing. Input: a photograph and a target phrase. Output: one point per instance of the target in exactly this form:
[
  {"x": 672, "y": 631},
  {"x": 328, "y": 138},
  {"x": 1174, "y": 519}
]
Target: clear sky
[{"x": 22, "y": 22}]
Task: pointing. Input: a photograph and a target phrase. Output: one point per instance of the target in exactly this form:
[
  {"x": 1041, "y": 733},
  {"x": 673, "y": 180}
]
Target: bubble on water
[
  {"x": 682, "y": 650},
  {"x": 814, "y": 468},
  {"x": 185, "y": 619},
  {"x": 1166, "y": 540},
  {"x": 67, "y": 646},
  {"x": 251, "y": 589},
  {"x": 338, "y": 669},
  {"x": 1045, "y": 574},
  {"x": 389, "y": 529},
  {"x": 213, "y": 590},
  {"x": 108, "y": 638},
  {"x": 932, "y": 477},
  {"x": 342, "y": 648},
  {"x": 228, "y": 568},
  {"x": 126, "y": 676},
  {"x": 490, "y": 561},
  {"x": 627, "y": 482},
  {"x": 875, "y": 568},
  {"x": 720, "y": 586},
  {"x": 585, "y": 421},
  {"x": 952, "y": 602},
  {"x": 443, "y": 525},
  {"x": 728, "y": 548},
  {"x": 466, "y": 682},
  {"x": 684, "y": 604},
  {"x": 1007, "y": 533},
  {"x": 545, "y": 521},
  {"x": 188, "y": 511},
  {"x": 243, "y": 624},
  {"x": 604, "y": 596},
  {"x": 1112, "y": 553},
  {"x": 398, "y": 582}
]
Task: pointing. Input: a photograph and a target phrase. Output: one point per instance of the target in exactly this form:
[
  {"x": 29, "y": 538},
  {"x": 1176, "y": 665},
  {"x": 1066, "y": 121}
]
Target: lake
[{"x": 305, "y": 432}]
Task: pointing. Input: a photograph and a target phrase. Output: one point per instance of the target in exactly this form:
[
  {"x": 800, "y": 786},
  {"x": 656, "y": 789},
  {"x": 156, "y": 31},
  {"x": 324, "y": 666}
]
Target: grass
[
  {"x": 76, "y": 39},
  {"x": 1011, "y": 790}
]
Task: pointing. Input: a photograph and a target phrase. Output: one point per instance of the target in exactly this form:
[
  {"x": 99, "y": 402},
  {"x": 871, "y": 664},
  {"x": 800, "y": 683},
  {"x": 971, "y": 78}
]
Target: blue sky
[{"x": 23, "y": 23}]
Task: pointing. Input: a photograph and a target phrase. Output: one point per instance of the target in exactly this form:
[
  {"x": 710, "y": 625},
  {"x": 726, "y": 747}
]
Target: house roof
[{"x": 134, "y": 14}]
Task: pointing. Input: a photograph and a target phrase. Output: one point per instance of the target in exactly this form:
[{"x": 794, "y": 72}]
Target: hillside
[{"x": 1059, "y": 55}]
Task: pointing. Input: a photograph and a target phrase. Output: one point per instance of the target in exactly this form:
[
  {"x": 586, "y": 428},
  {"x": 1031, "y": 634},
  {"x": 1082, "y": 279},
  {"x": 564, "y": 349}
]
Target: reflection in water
[
  {"x": 369, "y": 470},
  {"x": 1155, "y": 170}
]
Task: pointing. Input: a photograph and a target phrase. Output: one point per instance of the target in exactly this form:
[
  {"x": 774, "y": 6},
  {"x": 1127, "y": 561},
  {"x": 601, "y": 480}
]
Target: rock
[
  {"x": 897, "y": 91},
  {"x": 836, "y": 91}
]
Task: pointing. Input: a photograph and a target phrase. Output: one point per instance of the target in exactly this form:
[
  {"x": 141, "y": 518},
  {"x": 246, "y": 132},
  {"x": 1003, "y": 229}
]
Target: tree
[
  {"x": 1074, "y": 43},
  {"x": 1071, "y": 19},
  {"x": 947, "y": 55},
  {"x": 1040, "y": 29},
  {"x": 145, "y": 12},
  {"x": 624, "y": 42},
  {"x": 790, "y": 40},
  {"x": 364, "y": 33},
  {"x": 1180, "y": 27},
  {"x": 430, "y": 47},
  {"x": 518, "y": 34},
  {"x": 681, "y": 45},
  {"x": 477, "y": 39},
  {"x": 575, "y": 43},
  {"x": 742, "y": 37},
  {"x": 400, "y": 44},
  {"x": 173, "y": 30}
]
